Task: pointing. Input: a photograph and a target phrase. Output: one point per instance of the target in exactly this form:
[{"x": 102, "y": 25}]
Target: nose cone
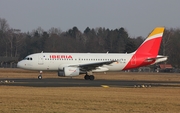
[{"x": 20, "y": 64}]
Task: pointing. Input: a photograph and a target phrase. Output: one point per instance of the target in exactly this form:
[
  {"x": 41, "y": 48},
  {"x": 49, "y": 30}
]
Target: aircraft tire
[
  {"x": 40, "y": 77},
  {"x": 86, "y": 77},
  {"x": 91, "y": 77}
]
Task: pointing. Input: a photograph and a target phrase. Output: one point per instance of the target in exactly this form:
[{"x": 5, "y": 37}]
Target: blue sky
[{"x": 138, "y": 17}]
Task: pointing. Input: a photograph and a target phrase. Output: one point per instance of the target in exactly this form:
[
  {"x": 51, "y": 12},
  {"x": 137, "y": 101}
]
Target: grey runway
[{"x": 68, "y": 82}]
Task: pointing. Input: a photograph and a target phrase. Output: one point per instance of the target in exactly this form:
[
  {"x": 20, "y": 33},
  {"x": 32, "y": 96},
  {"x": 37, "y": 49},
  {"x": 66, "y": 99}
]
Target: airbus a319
[{"x": 74, "y": 64}]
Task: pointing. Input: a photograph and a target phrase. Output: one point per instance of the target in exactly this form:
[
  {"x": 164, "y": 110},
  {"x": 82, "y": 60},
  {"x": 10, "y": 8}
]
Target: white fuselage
[
  {"x": 73, "y": 64},
  {"x": 56, "y": 61}
]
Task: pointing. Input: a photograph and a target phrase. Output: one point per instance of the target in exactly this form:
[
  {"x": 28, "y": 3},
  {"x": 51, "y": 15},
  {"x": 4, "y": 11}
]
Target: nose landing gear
[{"x": 40, "y": 75}]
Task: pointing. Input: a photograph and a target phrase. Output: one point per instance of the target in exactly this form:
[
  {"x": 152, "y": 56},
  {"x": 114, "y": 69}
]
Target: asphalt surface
[{"x": 68, "y": 82}]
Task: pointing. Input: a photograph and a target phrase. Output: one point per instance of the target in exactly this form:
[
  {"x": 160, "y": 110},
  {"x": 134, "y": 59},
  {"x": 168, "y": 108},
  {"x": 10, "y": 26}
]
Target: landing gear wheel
[
  {"x": 91, "y": 77},
  {"x": 86, "y": 77},
  {"x": 40, "y": 77}
]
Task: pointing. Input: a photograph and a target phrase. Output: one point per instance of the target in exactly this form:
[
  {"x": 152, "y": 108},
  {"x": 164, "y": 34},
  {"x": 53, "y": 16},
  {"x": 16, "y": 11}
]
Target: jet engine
[{"x": 69, "y": 71}]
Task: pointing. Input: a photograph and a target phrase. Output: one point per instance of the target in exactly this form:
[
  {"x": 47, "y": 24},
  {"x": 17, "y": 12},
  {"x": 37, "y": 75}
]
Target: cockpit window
[{"x": 28, "y": 58}]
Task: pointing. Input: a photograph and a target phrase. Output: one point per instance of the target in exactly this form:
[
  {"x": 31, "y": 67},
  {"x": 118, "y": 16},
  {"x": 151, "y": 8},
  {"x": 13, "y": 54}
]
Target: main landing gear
[
  {"x": 89, "y": 77},
  {"x": 40, "y": 75}
]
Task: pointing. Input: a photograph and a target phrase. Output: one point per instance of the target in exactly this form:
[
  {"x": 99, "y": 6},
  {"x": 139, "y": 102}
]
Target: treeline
[{"x": 14, "y": 43}]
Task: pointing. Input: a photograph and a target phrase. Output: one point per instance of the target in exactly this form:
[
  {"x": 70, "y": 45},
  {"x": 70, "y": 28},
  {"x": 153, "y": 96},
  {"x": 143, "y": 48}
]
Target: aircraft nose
[{"x": 19, "y": 64}]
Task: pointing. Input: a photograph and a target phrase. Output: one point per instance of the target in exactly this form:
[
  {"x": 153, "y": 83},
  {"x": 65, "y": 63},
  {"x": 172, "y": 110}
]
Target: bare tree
[
  {"x": 40, "y": 30},
  {"x": 4, "y": 27},
  {"x": 56, "y": 31},
  {"x": 19, "y": 41},
  {"x": 9, "y": 41},
  {"x": 166, "y": 39}
]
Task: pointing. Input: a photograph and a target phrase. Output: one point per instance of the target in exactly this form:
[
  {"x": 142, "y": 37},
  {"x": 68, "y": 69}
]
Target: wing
[{"x": 92, "y": 66}]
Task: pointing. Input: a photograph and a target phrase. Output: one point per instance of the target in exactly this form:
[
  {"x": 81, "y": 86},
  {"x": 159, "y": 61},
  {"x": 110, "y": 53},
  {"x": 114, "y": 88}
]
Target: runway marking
[{"x": 105, "y": 86}]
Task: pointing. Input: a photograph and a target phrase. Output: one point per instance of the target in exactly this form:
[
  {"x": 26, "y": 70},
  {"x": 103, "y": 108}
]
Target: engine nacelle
[{"x": 69, "y": 71}]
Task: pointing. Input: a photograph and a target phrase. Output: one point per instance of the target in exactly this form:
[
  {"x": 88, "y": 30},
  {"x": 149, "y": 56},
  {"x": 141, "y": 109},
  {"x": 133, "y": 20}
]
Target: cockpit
[{"x": 28, "y": 58}]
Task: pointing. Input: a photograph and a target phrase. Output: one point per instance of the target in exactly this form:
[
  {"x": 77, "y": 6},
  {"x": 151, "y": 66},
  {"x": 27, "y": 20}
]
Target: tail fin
[
  {"x": 152, "y": 44},
  {"x": 147, "y": 52}
]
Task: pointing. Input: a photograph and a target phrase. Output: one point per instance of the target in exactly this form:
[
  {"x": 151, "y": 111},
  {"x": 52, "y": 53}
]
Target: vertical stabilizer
[
  {"x": 152, "y": 43},
  {"x": 147, "y": 52}
]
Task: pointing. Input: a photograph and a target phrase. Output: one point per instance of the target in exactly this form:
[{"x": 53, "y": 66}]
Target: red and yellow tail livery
[{"x": 147, "y": 52}]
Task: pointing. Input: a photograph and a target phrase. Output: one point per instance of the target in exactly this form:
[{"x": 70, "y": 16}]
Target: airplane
[{"x": 74, "y": 64}]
